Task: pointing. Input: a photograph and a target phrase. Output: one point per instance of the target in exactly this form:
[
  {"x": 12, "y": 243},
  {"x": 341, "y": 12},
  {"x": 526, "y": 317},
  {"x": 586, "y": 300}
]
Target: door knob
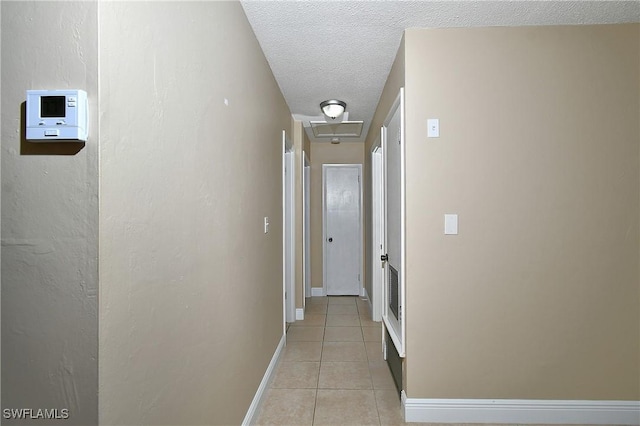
[
  {"x": 384, "y": 257},
  {"x": 330, "y": 239}
]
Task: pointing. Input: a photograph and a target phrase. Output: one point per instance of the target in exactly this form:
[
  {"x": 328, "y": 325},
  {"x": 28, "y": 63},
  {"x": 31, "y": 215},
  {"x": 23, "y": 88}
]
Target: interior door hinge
[
  {"x": 358, "y": 277},
  {"x": 358, "y": 178},
  {"x": 400, "y": 314}
]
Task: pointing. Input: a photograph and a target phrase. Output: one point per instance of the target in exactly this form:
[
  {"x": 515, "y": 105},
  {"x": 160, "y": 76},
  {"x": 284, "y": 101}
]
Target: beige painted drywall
[
  {"x": 49, "y": 217},
  {"x": 307, "y": 145},
  {"x": 395, "y": 80},
  {"x": 325, "y": 153},
  {"x": 191, "y": 287},
  {"x": 537, "y": 297}
]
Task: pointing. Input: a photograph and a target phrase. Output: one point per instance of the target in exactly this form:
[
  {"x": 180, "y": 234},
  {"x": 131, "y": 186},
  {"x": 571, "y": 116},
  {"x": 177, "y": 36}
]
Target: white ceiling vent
[{"x": 344, "y": 129}]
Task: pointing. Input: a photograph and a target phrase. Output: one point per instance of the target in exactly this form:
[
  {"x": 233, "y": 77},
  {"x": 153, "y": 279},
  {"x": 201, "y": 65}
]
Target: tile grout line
[
  {"x": 373, "y": 388},
  {"x": 324, "y": 330},
  {"x": 368, "y": 361}
]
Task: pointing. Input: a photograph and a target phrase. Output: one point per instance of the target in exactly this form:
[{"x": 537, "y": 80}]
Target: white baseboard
[
  {"x": 249, "y": 418},
  {"x": 365, "y": 295},
  {"x": 299, "y": 314},
  {"x": 520, "y": 411},
  {"x": 317, "y": 292}
]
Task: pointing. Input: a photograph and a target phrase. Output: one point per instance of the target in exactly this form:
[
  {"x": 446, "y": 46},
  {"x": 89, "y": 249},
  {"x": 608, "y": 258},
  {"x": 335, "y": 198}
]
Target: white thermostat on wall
[{"x": 57, "y": 115}]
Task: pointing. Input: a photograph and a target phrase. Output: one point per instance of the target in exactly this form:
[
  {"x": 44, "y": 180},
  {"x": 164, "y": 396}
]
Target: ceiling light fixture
[
  {"x": 335, "y": 141},
  {"x": 333, "y": 108}
]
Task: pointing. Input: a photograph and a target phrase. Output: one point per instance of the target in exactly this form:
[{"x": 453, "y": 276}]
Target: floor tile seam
[
  {"x": 370, "y": 360},
  {"x": 343, "y": 315},
  {"x": 305, "y": 326},
  {"x": 342, "y": 326},
  {"x": 290, "y": 388},
  {"x": 352, "y": 326},
  {"x": 359, "y": 362},
  {"x": 375, "y": 400},
  {"x": 346, "y": 388},
  {"x": 315, "y": 404},
  {"x": 371, "y": 390},
  {"x": 308, "y": 325}
]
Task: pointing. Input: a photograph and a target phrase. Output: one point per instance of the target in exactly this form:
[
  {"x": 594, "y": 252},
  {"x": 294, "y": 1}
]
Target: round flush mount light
[
  {"x": 333, "y": 108},
  {"x": 335, "y": 141}
]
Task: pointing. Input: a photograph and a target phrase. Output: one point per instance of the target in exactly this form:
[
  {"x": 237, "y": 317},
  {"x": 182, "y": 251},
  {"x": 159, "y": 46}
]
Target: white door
[
  {"x": 342, "y": 208},
  {"x": 393, "y": 313}
]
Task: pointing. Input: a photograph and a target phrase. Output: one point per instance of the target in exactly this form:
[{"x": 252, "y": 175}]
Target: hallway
[{"x": 332, "y": 371}]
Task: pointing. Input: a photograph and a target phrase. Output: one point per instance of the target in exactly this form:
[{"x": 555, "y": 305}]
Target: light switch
[
  {"x": 433, "y": 128},
  {"x": 266, "y": 224},
  {"x": 451, "y": 224}
]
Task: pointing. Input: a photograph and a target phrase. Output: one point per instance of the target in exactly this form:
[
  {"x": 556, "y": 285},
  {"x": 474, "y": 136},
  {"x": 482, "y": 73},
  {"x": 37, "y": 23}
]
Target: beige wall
[
  {"x": 307, "y": 145},
  {"x": 395, "y": 80},
  {"x": 191, "y": 287},
  {"x": 49, "y": 217},
  {"x": 538, "y": 295},
  {"x": 325, "y": 153}
]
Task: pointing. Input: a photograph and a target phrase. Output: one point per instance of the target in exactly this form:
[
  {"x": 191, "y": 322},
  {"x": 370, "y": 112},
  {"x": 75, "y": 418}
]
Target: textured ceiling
[{"x": 344, "y": 50}]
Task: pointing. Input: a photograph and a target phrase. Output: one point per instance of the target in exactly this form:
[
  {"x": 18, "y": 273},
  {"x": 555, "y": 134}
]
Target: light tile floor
[{"x": 332, "y": 371}]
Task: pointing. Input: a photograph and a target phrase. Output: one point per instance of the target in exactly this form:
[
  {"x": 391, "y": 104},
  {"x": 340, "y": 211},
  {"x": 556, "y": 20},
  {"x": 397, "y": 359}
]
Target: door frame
[
  {"x": 288, "y": 231},
  {"x": 398, "y": 340},
  {"x": 324, "y": 225},
  {"x": 306, "y": 226},
  {"x": 377, "y": 228}
]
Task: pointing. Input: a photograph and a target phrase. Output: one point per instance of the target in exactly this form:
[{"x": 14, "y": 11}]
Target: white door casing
[
  {"x": 288, "y": 216},
  {"x": 393, "y": 147},
  {"x": 377, "y": 230},
  {"x": 306, "y": 200},
  {"x": 342, "y": 228}
]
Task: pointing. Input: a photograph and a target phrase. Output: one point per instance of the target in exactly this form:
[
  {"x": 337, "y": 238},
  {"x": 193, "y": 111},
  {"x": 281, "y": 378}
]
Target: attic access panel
[{"x": 344, "y": 129}]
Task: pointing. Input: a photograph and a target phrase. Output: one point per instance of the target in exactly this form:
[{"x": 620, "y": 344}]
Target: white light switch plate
[
  {"x": 433, "y": 128},
  {"x": 451, "y": 224},
  {"x": 266, "y": 224}
]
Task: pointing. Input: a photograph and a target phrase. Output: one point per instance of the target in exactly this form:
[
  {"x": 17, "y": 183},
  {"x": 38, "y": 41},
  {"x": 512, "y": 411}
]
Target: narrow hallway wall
[
  {"x": 537, "y": 297},
  {"x": 191, "y": 286},
  {"x": 49, "y": 217}
]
